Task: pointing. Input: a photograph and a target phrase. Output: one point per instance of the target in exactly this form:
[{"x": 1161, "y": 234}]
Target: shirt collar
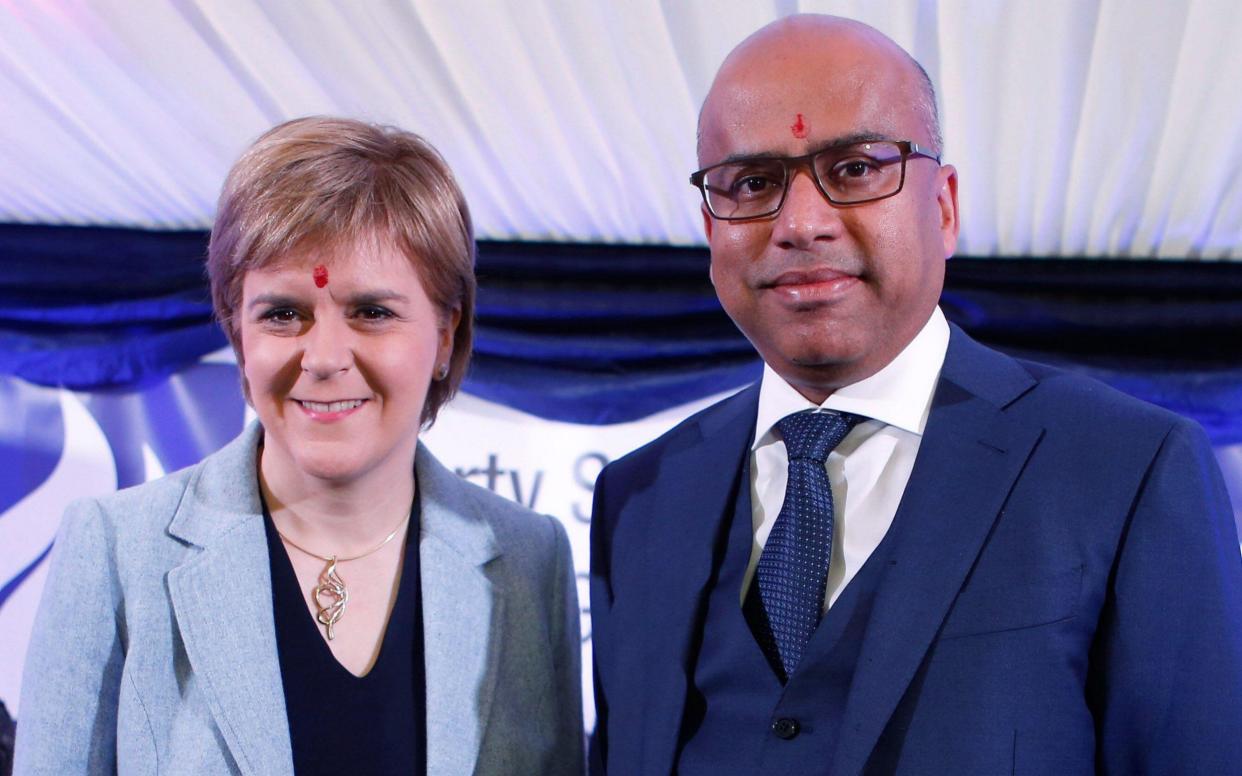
[{"x": 898, "y": 395}]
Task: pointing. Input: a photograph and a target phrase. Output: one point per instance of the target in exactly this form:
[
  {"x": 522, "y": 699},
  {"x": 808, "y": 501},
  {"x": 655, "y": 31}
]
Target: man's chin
[
  {"x": 828, "y": 368},
  {"x": 819, "y": 352}
]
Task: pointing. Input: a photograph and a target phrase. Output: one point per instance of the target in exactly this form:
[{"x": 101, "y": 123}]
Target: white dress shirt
[{"x": 869, "y": 469}]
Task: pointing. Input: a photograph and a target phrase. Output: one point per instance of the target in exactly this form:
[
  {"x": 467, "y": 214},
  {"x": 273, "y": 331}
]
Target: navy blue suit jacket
[{"x": 1064, "y": 592}]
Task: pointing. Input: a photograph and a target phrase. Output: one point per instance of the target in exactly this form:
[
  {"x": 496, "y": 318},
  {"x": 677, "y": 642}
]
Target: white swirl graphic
[{"x": 86, "y": 468}]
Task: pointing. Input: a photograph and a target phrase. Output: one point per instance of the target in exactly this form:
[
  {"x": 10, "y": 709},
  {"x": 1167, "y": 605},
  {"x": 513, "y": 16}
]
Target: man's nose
[
  {"x": 327, "y": 348},
  {"x": 806, "y": 215}
]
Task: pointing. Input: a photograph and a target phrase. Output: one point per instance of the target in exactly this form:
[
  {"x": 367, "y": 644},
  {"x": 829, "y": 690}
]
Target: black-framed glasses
[{"x": 846, "y": 175}]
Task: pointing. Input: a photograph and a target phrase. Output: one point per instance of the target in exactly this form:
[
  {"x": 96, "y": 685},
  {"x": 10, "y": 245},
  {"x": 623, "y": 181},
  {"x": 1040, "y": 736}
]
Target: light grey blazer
[{"x": 154, "y": 649}]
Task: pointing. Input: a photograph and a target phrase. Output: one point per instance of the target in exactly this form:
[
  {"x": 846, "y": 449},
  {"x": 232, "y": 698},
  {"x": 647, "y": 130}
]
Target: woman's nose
[{"x": 327, "y": 348}]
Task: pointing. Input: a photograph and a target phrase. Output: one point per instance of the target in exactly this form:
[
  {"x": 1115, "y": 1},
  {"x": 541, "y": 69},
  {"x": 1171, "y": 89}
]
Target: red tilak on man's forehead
[
  {"x": 320, "y": 274},
  {"x": 799, "y": 128}
]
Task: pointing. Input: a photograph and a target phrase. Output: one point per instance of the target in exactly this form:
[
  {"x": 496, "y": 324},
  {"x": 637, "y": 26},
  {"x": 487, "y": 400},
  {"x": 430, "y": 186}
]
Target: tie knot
[{"x": 813, "y": 434}]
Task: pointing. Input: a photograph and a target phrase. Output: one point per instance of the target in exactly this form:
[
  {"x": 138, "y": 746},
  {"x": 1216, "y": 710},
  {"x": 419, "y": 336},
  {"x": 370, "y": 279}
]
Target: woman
[{"x": 321, "y": 595}]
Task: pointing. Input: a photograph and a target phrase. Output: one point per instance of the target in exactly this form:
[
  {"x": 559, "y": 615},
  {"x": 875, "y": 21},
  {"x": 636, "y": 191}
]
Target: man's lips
[
  {"x": 810, "y": 285},
  {"x": 806, "y": 277}
]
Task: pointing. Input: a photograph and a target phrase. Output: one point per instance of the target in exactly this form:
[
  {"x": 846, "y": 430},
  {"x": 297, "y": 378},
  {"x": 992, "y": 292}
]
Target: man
[{"x": 900, "y": 552}]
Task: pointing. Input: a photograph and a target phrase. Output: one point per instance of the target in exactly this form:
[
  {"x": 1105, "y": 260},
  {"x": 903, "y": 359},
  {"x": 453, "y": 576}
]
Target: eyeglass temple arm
[{"x": 918, "y": 150}]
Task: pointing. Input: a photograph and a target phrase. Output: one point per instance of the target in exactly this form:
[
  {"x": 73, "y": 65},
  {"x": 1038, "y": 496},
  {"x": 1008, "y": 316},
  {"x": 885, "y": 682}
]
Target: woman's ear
[{"x": 444, "y": 349}]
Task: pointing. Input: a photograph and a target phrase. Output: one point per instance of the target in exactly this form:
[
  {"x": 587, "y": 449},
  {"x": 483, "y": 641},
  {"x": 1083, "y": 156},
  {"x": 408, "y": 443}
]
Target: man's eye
[
  {"x": 854, "y": 168},
  {"x": 750, "y": 186}
]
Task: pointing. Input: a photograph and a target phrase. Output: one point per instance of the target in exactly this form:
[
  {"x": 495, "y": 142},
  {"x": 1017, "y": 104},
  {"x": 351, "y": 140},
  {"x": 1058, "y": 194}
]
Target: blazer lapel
[
  {"x": 969, "y": 459},
  {"x": 222, "y": 601},
  {"x": 683, "y": 519},
  {"x": 463, "y": 614}
]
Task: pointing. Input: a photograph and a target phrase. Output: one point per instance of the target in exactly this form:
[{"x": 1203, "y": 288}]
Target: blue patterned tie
[{"x": 793, "y": 568}]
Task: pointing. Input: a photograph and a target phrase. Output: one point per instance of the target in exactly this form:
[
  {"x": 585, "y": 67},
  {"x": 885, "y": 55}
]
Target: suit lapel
[
  {"x": 463, "y": 615},
  {"x": 222, "y": 601},
  {"x": 683, "y": 518},
  {"x": 968, "y": 461}
]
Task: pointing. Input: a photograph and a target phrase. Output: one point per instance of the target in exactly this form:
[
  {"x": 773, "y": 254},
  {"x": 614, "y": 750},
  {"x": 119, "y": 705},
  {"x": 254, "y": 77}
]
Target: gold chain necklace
[{"x": 330, "y": 584}]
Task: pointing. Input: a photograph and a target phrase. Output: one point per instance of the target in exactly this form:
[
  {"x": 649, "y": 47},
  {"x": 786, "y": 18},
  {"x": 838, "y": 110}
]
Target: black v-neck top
[{"x": 340, "y": 723}]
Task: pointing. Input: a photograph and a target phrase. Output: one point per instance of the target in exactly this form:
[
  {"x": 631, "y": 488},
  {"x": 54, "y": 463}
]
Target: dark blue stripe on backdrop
[
  {"x": 11, "y": 586},
  {"x": 603, "y": 333}
]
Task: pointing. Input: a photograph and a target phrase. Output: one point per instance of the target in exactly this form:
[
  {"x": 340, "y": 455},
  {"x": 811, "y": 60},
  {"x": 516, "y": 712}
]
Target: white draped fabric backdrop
[{"x": 1084, "y": 128}]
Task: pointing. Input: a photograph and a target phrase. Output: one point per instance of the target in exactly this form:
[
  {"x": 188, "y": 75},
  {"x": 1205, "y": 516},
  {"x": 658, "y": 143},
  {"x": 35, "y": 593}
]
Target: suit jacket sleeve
[
  {"x": 600, "y": 604},
  {"x": 1165, "y": 680},
  {"x": 72, "y": 676}
]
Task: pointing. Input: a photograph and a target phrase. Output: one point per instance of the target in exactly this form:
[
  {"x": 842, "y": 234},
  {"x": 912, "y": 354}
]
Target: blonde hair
[{"x": 333, "y": 183}]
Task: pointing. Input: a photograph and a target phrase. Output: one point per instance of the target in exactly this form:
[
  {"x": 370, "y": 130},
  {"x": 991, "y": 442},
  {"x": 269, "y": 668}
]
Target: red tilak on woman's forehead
[
  {"x": 320, "y": 274},
  {"x": 799, "y": 128}
]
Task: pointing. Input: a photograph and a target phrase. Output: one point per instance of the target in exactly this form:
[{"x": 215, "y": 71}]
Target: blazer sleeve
[
  {"x": 72, "y": 676},
  {"x": 567, "y": 646},
  {"x": 601, "y": 602},
  {"x": 1166, "y": 668}
]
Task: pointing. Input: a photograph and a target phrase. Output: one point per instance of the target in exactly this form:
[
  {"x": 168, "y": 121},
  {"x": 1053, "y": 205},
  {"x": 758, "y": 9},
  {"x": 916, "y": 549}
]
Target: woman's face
[{"x": 339, "y": 351}]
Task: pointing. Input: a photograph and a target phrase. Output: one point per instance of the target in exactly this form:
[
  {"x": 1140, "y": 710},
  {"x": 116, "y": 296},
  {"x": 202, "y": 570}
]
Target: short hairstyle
[
  {"x": 333, "y": 182},
  {"x": 927, "y": 106}
]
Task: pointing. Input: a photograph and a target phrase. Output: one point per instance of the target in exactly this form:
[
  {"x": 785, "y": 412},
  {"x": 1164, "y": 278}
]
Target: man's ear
[
  {"x": 946, "y": 198},
  {"x": 707, "y": 231}
]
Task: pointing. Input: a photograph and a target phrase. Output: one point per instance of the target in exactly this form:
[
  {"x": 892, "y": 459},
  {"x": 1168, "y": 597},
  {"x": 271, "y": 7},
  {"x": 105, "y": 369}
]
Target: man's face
[{"x": 828, "y": 295}]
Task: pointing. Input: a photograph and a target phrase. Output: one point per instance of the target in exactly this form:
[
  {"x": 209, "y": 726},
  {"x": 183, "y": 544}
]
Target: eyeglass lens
[{"x": 756, "y": 187}]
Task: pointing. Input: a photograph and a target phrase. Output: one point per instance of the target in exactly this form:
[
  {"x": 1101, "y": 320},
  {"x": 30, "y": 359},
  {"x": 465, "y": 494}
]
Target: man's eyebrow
[
  {"x": 836, "y": 142},
  {"x": 852, "y": 139}
]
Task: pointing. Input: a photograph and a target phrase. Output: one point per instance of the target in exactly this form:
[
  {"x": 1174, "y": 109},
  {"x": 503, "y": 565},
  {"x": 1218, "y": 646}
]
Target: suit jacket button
[{"x": 786, "y": 728}]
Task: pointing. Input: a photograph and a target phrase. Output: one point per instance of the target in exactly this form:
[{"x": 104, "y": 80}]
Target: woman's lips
[{"x": 327, "y": 411}]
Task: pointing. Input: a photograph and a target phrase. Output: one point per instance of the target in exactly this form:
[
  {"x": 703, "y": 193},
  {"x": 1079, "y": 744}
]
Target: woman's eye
[
  {"x": 373, "y": 313},
  {"x": 281, "y": 315}
]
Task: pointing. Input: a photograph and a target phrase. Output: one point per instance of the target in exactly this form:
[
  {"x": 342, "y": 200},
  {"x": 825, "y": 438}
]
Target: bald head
[{"x": 806, "y": 51}]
